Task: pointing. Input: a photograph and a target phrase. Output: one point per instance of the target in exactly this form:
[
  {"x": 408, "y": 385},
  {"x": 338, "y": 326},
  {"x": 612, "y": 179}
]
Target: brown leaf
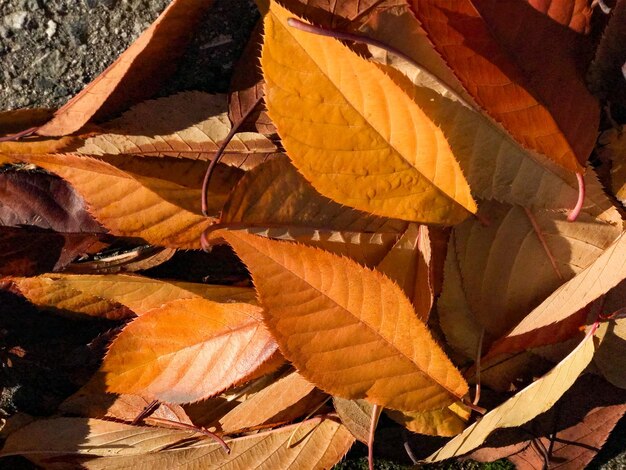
[
  {"x": 575, "y": 14},
  {"x": 246, "y": 88},
  {"x": 136, "y": 74},
  {"x": 605, "y": 73},
  {"x": 187, "y": 350},
  {"x": 335, "y": 319},
  {"x": 528, "y": 80},
  {"x": 189, "y": 125},
  {"x": 338, "y": 15},
  {"x": 27, "y": 251},
  {"x": 356, "y": 415},
  {"x": 142, "y": 201},
  {"x": 570, "y": 434}
]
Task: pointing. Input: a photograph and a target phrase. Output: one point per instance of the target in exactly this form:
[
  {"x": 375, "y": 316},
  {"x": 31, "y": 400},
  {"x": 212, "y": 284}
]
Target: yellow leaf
[
  {"x": 535, "y": 399},
  {"x": 495, "y": 165},
  {"x": 276, "y": 194},
  {"x": 349, "y": 330},
  {"x": 447, "y": 421},
  {"x": 318, "y": 444},
  {"x": 188, "y": 125},
  {"x": 355, "y": 134},
  {"x": 138, "y": 205},
  {"x": 187, "y": 350}
]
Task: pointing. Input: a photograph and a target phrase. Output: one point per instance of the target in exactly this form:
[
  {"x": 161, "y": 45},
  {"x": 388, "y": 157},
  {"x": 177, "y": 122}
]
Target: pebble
[
  {"x": 31, "y": 5},
  {"x": 17, "y": 20},
  {"x": 51, "y": 28}
]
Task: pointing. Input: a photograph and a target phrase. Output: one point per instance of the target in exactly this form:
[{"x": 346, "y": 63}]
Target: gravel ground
[{"x": 50, "y": 49}]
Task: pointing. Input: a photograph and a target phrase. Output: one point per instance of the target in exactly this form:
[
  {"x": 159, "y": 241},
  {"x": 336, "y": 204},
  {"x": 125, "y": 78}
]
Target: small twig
[
  {"x": 407, "y": 447},
  {"x": 218, "y": 155},
  {"x": 544, "y": 243},
  {"x": 479, "y": 351},
  {"x": 581, "y": 198},
  {"x": 19, "y": 135},
  {"x": 190, "y": 427},
  {"x": 147, "y": 411},
  {"x": 370, "y": 441}
]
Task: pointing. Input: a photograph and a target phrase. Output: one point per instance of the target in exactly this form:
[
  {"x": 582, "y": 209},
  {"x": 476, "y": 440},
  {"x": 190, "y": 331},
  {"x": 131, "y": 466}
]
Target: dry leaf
[
  {"x": 284, "y": 400},
  {"x": 136, "y": 74},
  {"x": 275, "y": 194},
  {"x": 187, "y": 350},
  {"x": 409, "y": 263},
  {"x": 598, "y": 278},
  {"x": 494, "y": 261},
  {"x": 357, "y": 147},
  {"x": 188, "y": 125},
  {"x": 538, "y": 397},
  {"x": 605, "y": 76},
  {"x": 526, "y": 79},
  {"x": 448, "y": 421},
  {"x": 580, "y": 423},
  {"x": 317, "y": 444},
  {"x": 137, "y": 205},
  {"x": 349, "y": 330},
  {"x": 356, "y": 415},
  {"x": 96, "y": 294}
]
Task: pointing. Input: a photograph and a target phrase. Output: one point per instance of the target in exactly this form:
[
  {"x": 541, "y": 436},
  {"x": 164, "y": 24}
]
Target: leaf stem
[
  {"x": 218, "y": 155},
  {"x": 376, "y": 409},
  {"x": 190, "y": 427},
  {"x": 19, "y": 135},
  {"x": 581, "y": 198}
]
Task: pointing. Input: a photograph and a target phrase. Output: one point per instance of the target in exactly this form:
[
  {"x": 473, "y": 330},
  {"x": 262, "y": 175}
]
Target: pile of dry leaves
[{"x": 433, "y": 229}]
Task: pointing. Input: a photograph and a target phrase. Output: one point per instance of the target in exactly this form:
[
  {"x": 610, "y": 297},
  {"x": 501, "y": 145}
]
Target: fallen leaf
[
  {"x": 93, "y": 294},
  {"x": 134, "y": 205},
  {"x": 605, "y": 75},
  {"x": 275, "y": 194},
  {"x": 533, "y": 400},
  {"x": 136, "y": 74},
  {"x": 349, "y": 330},
  {"x": 338, "y": 15},
  {"x": 528, "y": 80},
  {"x": 496, "y": 166},
  {"x": 17, "y": 120},
  {"x": 448, "y": 421},
  {"x": 409, "y": 263},
  {"x": 494, "y": 261},
  {"x": 356, "y": 415},
  {"x": 246, "y": 88},
  {"x": 571, "y": 434},
  {"x": 98, "y": 444},
  {"x": 284, "y": 400},
  {"x": 28, "y": 252},
  {"x": 187, "y": 350},
  {"x": 606, "y": 272},
  {"x": 364, "y": 156},
  {"x": 575, "y": 14},
  {"x": 189, "y": 125}
]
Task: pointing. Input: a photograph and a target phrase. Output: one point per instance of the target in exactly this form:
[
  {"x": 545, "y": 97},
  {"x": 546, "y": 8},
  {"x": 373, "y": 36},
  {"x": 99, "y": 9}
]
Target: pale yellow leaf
[
  {"x": 535, "y": 399},
  {"x": 356, "y": 415},
  {"x": 494, "y": 261},
  {"x": 357, "y": 136},
  {"x": 349, "y": 330},
  {"x": 606, "y": 272},
  {"x": 317, "y": 444}
]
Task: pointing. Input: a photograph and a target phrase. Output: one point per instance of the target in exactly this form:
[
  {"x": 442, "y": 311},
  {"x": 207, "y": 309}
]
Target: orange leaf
[
  {"x": 349, "y": 330},
  {"x": 527, "y": 79},
  {"x": 187, "y": 350},
  {"x": 136, "y": 74}
]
